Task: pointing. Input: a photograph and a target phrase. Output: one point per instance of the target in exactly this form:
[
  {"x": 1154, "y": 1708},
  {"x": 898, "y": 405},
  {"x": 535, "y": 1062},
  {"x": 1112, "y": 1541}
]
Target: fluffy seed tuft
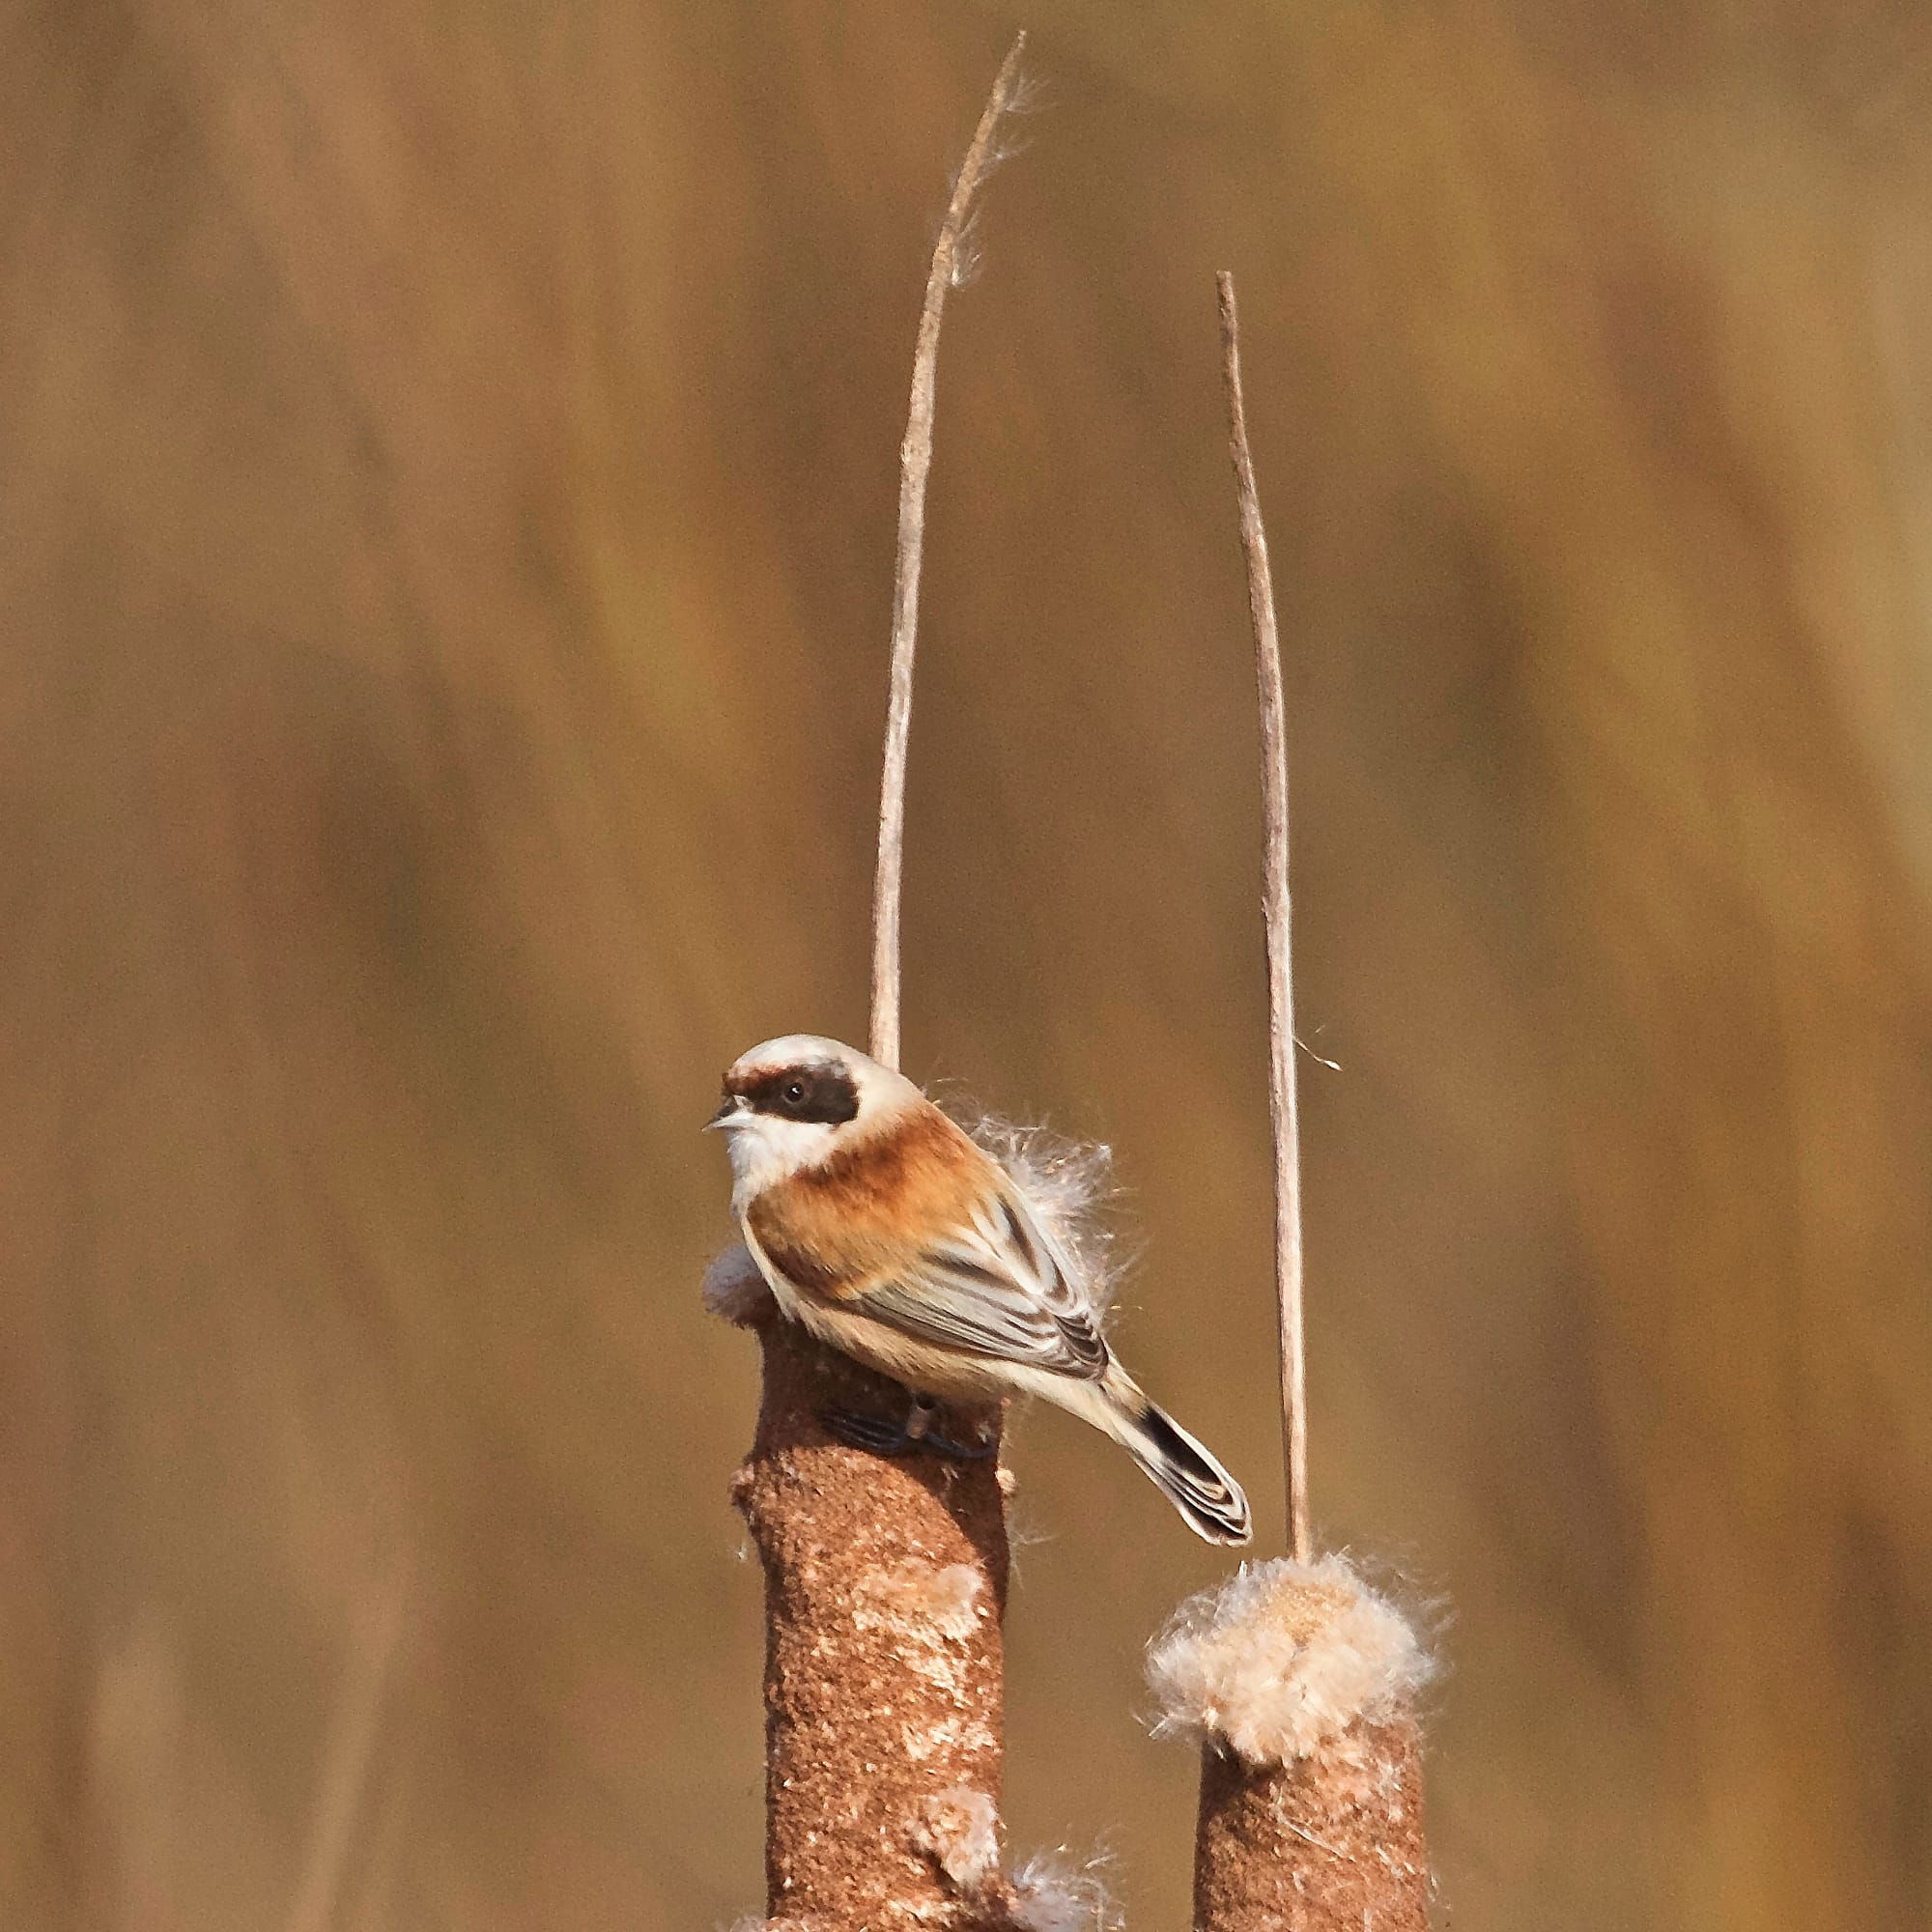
[
  {"x": 960, "y": 1831},
  {"x": 1052, "y": 1893},
  {"x": 1282, "y": 1657},
  {"x": 1070, "y": 1182},
  {"x": 734, "y": 1290}
]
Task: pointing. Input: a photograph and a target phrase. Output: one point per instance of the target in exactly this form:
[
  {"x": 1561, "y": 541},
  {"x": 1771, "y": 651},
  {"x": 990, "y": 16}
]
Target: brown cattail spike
[
  {"x": 885, "y": 1577},
  {"x": 1299, "y": 1682},
  {"x": 885, "y": 1585}
]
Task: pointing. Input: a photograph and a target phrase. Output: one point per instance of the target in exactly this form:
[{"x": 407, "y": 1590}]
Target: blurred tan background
[{"x": 446, "y": 481}]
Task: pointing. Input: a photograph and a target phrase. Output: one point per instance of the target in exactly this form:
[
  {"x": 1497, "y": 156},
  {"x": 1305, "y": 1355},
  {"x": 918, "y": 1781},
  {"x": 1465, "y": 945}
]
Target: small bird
[{"x": 883, "y": 1228}]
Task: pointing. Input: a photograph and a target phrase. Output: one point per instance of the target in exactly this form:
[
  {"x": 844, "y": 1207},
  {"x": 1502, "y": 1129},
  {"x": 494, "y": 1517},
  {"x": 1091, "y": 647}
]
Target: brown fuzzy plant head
[
  {"x": 1299, "y": 1683},
  {"x": 1282, "y": 1660},
  {"x": 1296, "y": 1681}
]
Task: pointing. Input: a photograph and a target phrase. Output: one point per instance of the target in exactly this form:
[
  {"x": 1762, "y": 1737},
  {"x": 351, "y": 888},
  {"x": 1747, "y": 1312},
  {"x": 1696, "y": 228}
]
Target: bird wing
[
  {"x": 995, "y": 1284},
  {"x": 1001, "y": 1287}
]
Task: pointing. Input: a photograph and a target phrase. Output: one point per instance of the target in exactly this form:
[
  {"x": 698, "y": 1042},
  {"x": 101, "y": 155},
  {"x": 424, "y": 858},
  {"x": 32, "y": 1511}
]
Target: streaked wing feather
[{"x": 1002, "y": 1289}]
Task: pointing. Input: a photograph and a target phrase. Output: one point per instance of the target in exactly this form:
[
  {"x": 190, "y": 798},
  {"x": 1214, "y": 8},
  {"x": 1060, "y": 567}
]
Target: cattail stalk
[
  {"x": 1297, "y": 1680},
  {"x": 885, "y": 1576},
  {"x": 1284, "y": 1111},
  {"x": 915, "y": 465}
]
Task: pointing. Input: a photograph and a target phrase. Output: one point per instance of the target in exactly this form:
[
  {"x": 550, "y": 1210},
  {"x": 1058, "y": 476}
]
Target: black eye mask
[{"x": 826, "y": 1095}]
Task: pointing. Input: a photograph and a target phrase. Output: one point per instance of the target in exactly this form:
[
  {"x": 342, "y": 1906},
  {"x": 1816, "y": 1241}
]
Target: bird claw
[
  {"x": 888, "y": 1438},
  {"x": 957, "y": 1452},
  {"x": 867, "y": 1431}
]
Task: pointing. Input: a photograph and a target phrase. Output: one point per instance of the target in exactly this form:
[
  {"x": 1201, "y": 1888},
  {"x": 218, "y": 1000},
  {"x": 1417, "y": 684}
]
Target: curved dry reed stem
[
  {"x": 886, "y": 1577},
  {"x": 1283, "y": 1110},
  {"x": 915, "y": 462}
]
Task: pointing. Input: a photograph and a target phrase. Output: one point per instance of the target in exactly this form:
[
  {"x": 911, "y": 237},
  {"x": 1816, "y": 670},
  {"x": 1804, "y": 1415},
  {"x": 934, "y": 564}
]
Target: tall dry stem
[{"x": 915, "y": 464}]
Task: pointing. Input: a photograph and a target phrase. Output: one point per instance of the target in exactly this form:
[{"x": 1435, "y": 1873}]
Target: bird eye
[{"x": 794, "y": 1091}]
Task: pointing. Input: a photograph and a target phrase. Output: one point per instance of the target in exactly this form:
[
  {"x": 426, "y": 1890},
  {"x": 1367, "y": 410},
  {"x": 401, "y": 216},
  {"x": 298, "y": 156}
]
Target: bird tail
[{"x": 1182, "y": 1469}]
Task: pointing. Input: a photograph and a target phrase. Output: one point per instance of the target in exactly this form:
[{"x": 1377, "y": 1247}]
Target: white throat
[{"x": 767, "y": 1149}]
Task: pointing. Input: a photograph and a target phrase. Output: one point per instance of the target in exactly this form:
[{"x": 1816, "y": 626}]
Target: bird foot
[{"x": 898, "y": 1438}]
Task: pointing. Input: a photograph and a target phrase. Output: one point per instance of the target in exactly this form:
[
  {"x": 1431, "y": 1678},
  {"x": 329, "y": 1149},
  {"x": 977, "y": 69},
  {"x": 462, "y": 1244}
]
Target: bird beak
[{"x": 732, "y": 1114}]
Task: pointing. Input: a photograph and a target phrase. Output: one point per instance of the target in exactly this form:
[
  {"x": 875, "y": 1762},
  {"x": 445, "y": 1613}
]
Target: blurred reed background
[{"x": 445, "y": 513}]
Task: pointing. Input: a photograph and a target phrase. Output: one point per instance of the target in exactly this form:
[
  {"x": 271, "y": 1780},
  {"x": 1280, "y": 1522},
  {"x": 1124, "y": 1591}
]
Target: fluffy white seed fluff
[
  {"x": 960, "y": 1830},
  {"x": 1052, "y": 1893},
  {"x": 1071, "y": 1182},
  {"x": 947, "y": 1597},
  {"x": 734, "y": 1290},
  {"x": 1282, "y": 1657}
]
